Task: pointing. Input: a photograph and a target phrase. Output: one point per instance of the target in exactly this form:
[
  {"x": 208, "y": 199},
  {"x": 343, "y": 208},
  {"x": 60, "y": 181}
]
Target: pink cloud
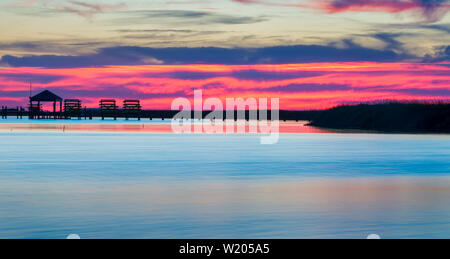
[
  {"x": 429, "y": 10},
  {"x": 299, "y": 86}
]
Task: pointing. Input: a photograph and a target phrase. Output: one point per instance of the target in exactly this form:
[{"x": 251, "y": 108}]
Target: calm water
[{"x": 135, "y": 185}]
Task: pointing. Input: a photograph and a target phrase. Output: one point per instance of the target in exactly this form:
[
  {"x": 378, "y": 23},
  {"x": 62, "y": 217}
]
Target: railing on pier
[
  {"x": 35, "y": 111},
  {"x": 18, "y": 112}
]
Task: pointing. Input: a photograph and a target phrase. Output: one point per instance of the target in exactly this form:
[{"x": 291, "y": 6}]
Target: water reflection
[{"x": 133, "y": 126}]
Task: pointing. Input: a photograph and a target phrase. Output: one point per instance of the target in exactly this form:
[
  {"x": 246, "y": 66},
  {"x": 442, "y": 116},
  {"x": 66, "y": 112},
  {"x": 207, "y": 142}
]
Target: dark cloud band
[{"x": 125, "y": 55}]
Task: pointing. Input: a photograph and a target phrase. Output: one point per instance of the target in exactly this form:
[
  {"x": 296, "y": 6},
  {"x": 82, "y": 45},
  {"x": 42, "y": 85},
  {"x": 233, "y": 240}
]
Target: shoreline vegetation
[{"x": 391, "y": 117}]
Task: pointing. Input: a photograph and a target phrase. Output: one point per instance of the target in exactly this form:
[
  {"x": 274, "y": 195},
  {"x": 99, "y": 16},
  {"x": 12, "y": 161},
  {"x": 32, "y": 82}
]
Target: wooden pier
[{"x": 108, "y": 108}]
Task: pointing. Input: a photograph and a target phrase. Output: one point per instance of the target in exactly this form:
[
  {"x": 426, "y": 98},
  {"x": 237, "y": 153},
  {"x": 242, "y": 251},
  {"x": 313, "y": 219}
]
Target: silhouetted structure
[
  {"x": 108, "y": 108},
  {"x": 4, "y": 112},
  {"x": 132, "y": 109},
  {"x": 35, "y": 108},
  {"x": 414, "y": 117},
  {"x": 72, "y": 108}
]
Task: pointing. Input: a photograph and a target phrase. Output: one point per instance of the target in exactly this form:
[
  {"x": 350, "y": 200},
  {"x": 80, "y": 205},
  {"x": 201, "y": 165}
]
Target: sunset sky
[{"x": 312, "y": 54}]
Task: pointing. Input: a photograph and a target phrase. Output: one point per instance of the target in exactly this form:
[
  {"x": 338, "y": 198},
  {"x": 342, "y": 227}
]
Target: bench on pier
[
  {"x": 72, "y": 108},
  {"x": 108, "y": 108},
  {"x": 132, "y": 109}
]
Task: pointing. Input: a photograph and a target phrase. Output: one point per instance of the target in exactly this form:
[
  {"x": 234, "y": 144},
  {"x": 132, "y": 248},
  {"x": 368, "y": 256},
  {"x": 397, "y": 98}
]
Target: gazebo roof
[{"x": 46, "y": 96}]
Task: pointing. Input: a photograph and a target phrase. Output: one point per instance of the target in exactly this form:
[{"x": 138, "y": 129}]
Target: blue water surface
[{"x": 107, "y": 185}]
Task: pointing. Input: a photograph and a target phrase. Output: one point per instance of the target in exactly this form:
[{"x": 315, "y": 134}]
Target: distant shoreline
[{"x": 415, "y": 118}]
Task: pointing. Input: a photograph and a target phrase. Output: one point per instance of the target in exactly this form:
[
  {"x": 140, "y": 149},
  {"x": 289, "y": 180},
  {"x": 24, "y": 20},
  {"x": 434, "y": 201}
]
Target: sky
[{"x": 312, "y": 54}]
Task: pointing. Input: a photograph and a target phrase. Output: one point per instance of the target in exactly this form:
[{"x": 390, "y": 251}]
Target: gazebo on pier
[{"x": 35, "y": 109}]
